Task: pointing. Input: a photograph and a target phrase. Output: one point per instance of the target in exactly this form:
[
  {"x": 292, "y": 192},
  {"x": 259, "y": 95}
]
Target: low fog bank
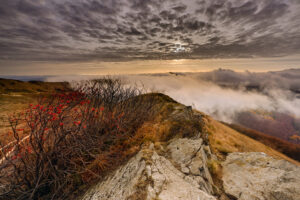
[
  {"x": 286, "y": 79},
  {"x": 223, "y": 93}
]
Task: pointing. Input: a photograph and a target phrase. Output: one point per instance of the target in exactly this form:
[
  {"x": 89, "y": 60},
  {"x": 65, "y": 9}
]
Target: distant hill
[
  {"x": 287, "y": 148},
  {"x": 15, "y": 95},
  {"x": 276, "y": 124},
  {"x": 8, "y": 86}
]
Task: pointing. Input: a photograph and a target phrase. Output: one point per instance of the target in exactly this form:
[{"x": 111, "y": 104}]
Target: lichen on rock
[
  {"x": 149, "y": 176},
  {"x": 248, "y": 176}
]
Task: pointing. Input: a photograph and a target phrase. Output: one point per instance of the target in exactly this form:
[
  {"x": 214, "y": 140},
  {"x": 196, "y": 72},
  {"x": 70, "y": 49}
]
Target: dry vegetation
[
  {"x": 287, "y": 148},
  {"x": 73, "y": 138},
  {"x": 8, "y": 86},
  {"x": 224, "y": 140},
  {"x": 77, "y": 137},
  {"x": 16, "y": 95}
]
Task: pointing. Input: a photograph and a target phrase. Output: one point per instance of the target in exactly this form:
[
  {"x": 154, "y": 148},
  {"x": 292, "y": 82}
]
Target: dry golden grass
[
  {"x": 167, "y": 123},
  {"x": 285, "y": 147},
  {"x": 10, "y": 104},
  {"x": 224, "y": 140},
  {"x": 8, "y": 86},
  {"x": 15, "y": 97}
]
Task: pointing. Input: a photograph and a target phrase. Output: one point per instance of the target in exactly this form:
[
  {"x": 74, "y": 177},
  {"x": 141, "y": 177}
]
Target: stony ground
[
  {"x": 149, "y": 175},
  {"x": 191, "y": 168},
  {"x": 180, "y": 171}
]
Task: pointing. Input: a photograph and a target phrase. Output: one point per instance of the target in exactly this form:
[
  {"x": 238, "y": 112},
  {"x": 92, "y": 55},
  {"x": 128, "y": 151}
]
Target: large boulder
[
  {"x": 190, "y": 158},
  {"x": 248, "y": 176},
  {"x": 150, "y": 176},
  {"x": 179, "y": 171}
]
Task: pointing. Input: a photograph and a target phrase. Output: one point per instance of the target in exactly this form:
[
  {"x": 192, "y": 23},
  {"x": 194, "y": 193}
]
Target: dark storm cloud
[{"x": 74, "y": 30}]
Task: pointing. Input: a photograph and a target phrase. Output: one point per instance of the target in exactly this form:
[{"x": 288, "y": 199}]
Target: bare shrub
[{"x": 69, "y": 139}]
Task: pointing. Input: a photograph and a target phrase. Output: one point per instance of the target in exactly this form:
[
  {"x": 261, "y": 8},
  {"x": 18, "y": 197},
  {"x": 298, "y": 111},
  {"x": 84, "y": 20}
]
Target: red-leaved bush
[{"x": 68, "y": 139}]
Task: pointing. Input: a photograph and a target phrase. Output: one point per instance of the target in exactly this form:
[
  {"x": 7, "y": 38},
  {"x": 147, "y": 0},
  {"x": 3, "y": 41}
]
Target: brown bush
[{"x": 71, "y": 138}]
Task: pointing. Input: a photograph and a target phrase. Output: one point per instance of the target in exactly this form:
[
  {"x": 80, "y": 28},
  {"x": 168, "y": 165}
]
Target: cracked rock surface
[
  {"x": 151, "y": 176},
  {"x": 191, "y": 158},
  {"x": 181, "y": 173},
  {"x": 248, "y": 176}
]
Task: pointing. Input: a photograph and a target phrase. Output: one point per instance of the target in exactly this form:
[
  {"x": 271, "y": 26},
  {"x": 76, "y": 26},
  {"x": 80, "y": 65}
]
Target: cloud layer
[
  {"x": 224, "y": 93},
  {"x": 77, "y": 30}
]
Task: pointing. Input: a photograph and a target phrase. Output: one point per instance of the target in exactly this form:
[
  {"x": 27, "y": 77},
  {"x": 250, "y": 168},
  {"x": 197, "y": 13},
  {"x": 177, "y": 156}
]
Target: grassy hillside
[
  {"x": 224, "y": 140},
  {"x": 8, "y": 86},
  {"x": 280, "y": 125},
  {"x": 287, "y": 148},
  {"x": 97, "y": 132},
  {"x": 16, "y": 95}
]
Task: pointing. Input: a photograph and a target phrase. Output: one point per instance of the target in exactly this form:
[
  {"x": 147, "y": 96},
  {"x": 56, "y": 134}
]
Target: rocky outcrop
[
  {"x": 248, "y": 176},
  {"x": 191, "y": 158},
  {"x": 178, "y": 171},
  {"x": 180, "y": 174}
]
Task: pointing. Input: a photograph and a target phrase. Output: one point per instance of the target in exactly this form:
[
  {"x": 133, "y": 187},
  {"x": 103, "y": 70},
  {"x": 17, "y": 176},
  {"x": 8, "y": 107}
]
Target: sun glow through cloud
[{"x": 88, "y": 37}]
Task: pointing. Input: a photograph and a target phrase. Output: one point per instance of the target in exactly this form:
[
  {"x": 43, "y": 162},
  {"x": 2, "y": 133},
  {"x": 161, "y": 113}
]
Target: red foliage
[{"x": 62, "y": 136}]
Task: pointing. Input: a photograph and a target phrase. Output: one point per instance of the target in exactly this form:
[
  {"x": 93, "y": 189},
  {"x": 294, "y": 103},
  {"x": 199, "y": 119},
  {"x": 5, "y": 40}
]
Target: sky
[{"x": 51, "y": 37}]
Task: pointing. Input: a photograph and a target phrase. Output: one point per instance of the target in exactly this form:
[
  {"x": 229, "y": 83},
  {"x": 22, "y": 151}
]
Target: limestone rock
[
  {"x": 191, "y": 157},
  {"x": 249, "y": 176},
  {"x": 151, "y": 176},
  {"x": 181, "y": 173},
  {"x": 121, "y": 184}
]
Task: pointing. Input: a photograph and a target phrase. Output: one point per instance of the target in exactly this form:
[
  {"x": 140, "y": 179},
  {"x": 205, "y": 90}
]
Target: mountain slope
[
  {"x": 149, "y": 175},
  {"x": 177, "y": 145},
  {"x": 16, "y": 95},
  {"x": 224, "y": 140},
  {"x": 287, "y": 148},
  {"x": 182, "y": 160}
]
